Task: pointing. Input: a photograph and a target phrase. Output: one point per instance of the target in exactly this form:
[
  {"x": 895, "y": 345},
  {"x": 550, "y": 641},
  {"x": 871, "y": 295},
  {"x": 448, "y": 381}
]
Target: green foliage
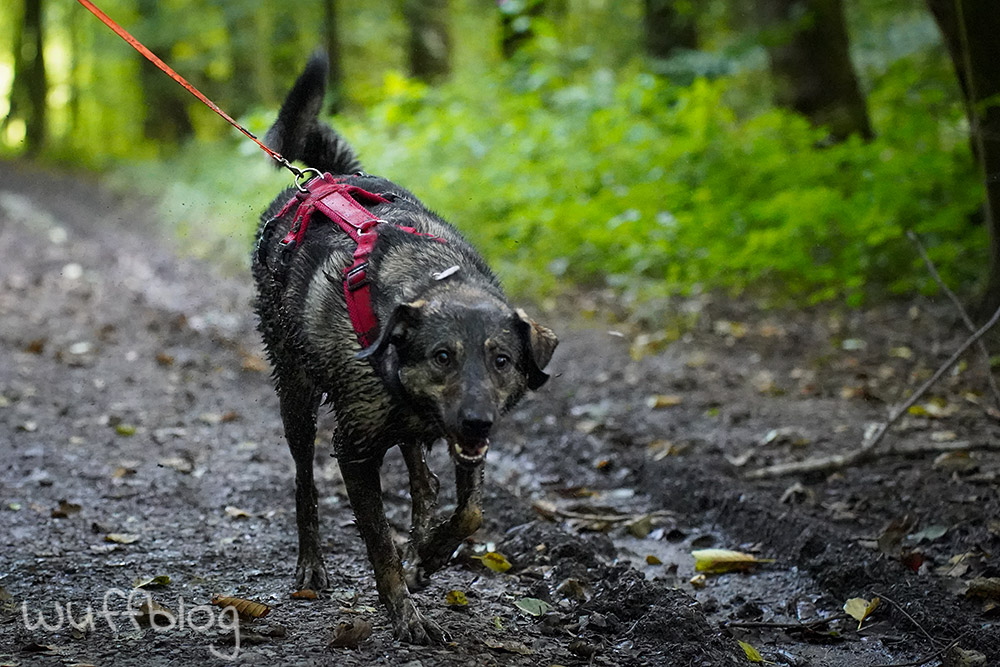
[{"x": 629, "y": 182}]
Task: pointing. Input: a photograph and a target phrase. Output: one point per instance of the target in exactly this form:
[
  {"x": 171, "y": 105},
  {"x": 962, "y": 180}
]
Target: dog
[{"x": 443, "y": 357}]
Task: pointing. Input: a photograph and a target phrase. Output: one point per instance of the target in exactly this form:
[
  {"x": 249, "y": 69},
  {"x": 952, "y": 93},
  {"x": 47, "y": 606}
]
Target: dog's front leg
[
  {"x": 364, "y": 488},
  {"x": 468, "y": 517},
  {"x": 424, "y": 487}
]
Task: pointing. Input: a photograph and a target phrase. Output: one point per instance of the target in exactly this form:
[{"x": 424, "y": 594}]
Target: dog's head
[{"x": 463, "y": 358}]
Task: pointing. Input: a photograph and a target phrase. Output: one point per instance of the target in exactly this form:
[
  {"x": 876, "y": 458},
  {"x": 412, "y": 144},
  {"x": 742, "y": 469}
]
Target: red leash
[{"x": 152, "y": 57}]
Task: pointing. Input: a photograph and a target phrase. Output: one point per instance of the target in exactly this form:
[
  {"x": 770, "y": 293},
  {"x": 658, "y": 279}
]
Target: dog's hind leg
[
  {"x": 468, "y": 517},
  {"x": 424, "y": 487},
  {"x": 364, "y": 488},
  {"x": 299, "y": 402}
]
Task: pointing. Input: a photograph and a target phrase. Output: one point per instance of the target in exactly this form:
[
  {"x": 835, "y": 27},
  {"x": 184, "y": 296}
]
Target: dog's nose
[{"x": 476, "y": 425}]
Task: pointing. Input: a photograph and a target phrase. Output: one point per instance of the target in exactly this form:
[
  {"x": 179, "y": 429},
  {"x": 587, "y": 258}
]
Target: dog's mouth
[{"x": 470, "y": 452}]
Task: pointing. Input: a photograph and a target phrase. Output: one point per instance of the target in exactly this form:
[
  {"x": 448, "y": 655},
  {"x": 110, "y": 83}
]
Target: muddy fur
[{"x": 451, "y": 356}]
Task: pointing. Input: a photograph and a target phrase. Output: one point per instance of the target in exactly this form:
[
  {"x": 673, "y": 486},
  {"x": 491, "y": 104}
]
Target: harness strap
[{"x": 344, "y": 205}]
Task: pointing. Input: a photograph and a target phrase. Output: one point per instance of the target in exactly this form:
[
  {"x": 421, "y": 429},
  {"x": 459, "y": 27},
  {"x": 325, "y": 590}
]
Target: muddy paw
[
  {"x": 311, "y": 574},
  {"x": 413, "y": 628}
]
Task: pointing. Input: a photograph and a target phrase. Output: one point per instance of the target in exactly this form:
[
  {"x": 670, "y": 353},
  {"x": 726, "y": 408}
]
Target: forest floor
[{"x": 140, "y": 438}]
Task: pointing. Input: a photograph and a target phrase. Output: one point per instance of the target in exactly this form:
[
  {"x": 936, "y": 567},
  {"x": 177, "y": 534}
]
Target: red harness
[{"x": 343, "y": 205}]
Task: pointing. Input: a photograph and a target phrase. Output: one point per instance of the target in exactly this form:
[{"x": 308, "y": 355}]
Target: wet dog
[{"x": 447, "y": 356}]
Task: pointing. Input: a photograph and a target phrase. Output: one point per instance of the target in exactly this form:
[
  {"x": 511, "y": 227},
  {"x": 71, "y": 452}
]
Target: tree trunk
[
  {"x": 669, "y": 25},
  {"x": 335, "y": 78},
  {"x": 808, "y": 47},
  {"x": 167, "y": 119},
  {"x": 429, "y": 40},
  {"x": 29, "y": 88},
  {"x": 970, "y": 29},
  {"x": 515, "y": 23}
]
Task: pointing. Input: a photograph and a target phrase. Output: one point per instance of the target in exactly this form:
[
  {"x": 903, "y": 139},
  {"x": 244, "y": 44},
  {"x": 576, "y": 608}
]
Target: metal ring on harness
[{"x": 302, "y": 174}]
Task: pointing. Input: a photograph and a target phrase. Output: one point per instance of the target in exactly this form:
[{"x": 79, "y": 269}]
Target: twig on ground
[
  {"x": 943, "y": 447},
  {"x": 550, "y": 511},
  {"x": 932, "y": 656},
  {"x": 983, "y": 352},
  {"x": 902, "y": 611},
  {"x": 795, "y": 625},
  {"x": 875, "y": 433}
]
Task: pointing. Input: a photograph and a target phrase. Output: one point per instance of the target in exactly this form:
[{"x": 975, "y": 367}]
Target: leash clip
[{"x": 300, "y": 176}]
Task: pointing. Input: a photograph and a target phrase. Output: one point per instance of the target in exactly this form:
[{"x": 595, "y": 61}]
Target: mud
[{"x": 132, "y": 387}]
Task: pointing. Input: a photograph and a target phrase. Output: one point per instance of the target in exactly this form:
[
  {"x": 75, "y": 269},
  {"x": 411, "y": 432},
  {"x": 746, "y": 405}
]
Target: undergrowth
[{"x": 626, "y": 181}]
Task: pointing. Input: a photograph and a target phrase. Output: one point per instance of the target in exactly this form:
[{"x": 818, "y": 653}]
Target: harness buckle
[{"x": 357, "y": 277}]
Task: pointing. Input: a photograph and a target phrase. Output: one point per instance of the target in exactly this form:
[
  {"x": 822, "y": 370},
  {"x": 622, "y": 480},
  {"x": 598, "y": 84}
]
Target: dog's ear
[
  {"x": 404, "y": 315},
  {"x": 539, "y": 342}
]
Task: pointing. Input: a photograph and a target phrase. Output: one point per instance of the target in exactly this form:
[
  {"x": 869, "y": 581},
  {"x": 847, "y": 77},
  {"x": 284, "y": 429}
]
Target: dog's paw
[
  {"x": 311, "y": 573},
  {"x": 413, "y": 627}
]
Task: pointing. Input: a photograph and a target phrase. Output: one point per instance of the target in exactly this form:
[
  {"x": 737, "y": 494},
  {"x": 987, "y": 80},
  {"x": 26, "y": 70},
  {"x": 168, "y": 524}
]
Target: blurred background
[{"x": 647, "y": 149}]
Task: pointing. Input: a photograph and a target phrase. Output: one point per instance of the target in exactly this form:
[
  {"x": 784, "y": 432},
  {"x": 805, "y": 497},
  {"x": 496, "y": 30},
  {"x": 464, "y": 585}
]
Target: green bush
[{"x": 629, "y": 182}]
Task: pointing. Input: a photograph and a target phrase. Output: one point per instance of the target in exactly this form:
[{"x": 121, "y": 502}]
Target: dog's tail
[{"x": 299, "y": 135}]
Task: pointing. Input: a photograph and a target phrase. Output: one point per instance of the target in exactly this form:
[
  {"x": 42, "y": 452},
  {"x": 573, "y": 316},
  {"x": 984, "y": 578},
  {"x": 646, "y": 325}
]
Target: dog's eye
[
  {"x": 442, "y": 358},
  {"x": 501, "y": 361}
]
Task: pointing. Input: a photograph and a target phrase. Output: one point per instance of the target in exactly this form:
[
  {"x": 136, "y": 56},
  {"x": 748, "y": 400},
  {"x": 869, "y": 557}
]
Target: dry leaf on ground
[
  {"x": 717, "y": 561},
  {"x": 859, "y": 608}
]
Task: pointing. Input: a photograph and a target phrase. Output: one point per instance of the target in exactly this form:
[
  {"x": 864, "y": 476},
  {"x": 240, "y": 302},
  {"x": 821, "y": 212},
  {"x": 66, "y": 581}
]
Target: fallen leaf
[
  {"x": 859, "y": 609},
  {"x": 65, "y": 510},
  {"x": 154, "y": 614},
  {"x": 305, "y": 594},
  {"x": 164, "y": 359},
  {"x": 573, "y": 588},
  {"x": 121, "y": 538},
  {"x": 753, "y": 655},
  {"x": 350, "y": 634},
  {"x": 34, "y": 647},
  {"x": 533, "y": 606},
  {"x": 151, "y": 582},
  {"x": 653, "y": 560},
  {"x": 178, "y": 463},
  {"x": 247, "y": 609},
  {"x": 641, "y": 527},
  {"x": 583, "y": 648},
  {"x": 901, "y": 352},
  {"x": 125, "y": 430},
  {"x": 957, "y": 461},
  {"x": 890, "y": 540},
  {"x": 786, "y": 435},
  {"x": 698, "y": 581},
  {"x": 930, "y": 533},
  {"x": 236, "y": 513},
  {"x": 456, "y": 598},
  {"x": 663, "y": 401},
  {"x": 508, "y": 646},
  {"x": 718, "y": 561},
  {"x": 853, "y": 344},
  {"x": 661, "y": 449},
  {"x": 495, "y": 561},
  {"x": 984, "y": 587},
  {"x": 123, "y": 471},
  {"x": 254, "y": 363}
]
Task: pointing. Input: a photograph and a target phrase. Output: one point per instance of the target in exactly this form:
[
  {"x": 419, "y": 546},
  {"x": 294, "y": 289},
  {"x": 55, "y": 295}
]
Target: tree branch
[
  {"x": 876, "y": 432},
  {"x": 983, "y": 352}
]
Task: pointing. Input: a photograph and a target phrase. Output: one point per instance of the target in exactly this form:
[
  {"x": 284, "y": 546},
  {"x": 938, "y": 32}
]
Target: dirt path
[{"x": 135, "y": 408}]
